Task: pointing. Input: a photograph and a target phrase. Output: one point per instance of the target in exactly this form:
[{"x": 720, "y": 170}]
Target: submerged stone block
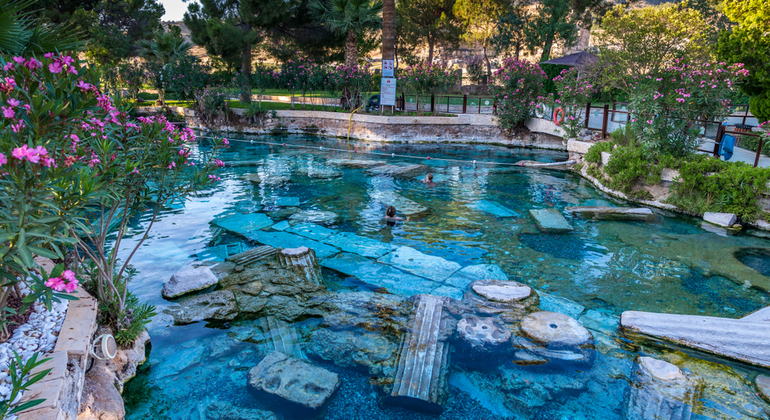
[
  {"x": 361, "y": 245},
  {"x": 315, "y": 216},
  {"x": 550, "y": 221},
  {"x": 355, "y": 163},
  {"x": 421, "y": 377},
  {"x": 448, "y": 291},
  {"x": 660, "y": 391},
  {"x": 285, "y": 201},
  {"x": 493, "y": 208},
  {"x": 221, "y": 252},
  {"x": 555, "y": 329},
  {"x": 402, "y": 204},
  {"x": 277, "y": 335},
  {"x": 293, "y": 381},
  {"x": 471, "y": 273},
  {"x": 397, "y": 170},
  {"x": 288, "y": 240},
  {"x": 508, "y": 300},
  {"x": 415, "y": 262},
  {"x": 252, "y": 255},
  {"x": 393, "y": 280},
  {"x": 312, "y": 231},
  {"x": 720, "y": 219},
  {"x": 218, "y": 306},
  {"x": 187, "y": 280},
  {"x": 747, "y": 341},
  {"x": 763, "y": 386},
  {"x": 243, "y": 223},
  {"x": 614, "y": 213}
]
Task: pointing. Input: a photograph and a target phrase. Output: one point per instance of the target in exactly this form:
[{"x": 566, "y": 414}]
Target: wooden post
[
  {"x": 604, "y": 122},
  {"x": 479, "y": 99},
  {"x": 432, "y": 102},
  {"x": 447, "y": 104},
  {"x": 588, "y": 112},
  {"x": 759, "y": 150},
  {"x": 718, "y": 139},
  {"x": 746, "y": 114},
  {"x": 465, "y": 104}
]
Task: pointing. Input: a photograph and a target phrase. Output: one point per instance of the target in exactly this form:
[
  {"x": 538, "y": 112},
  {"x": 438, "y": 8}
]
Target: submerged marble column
[
  {"x": 252, "y": 255},
  {"x": 421, "y": 376},
  {"x": 303, "y": 261},
  {"x": 660, "y": 390}
]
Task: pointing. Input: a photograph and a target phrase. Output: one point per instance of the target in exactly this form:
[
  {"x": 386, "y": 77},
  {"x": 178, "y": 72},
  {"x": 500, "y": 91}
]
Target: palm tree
[
  {"x": 351, "y": 18},
  {"x": 22, "y": 34},
  {"x": 162, "y": 49}
]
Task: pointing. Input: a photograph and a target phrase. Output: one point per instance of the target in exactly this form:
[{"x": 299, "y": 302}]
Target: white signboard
[
  {"x": 388, "y": 91},
  {"x": 387, "y": 68}
]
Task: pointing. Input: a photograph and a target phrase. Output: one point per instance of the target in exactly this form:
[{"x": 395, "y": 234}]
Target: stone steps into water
[
  {"x": 278, "y": 335},
  {"x": 421, "y": 376},
  {"x": 403, "y": 205},
  {"x": 397, "y": 170},
  {"x": 252, "y": 255},
  {"x": 493, "y": 208},
  {"x": 762, "y": 315},
  {"x": 660, "y": 391},
  {"x": 423, "y": 265},
  {"x": 550, "y": 221},
  {"x": 243, "y": 224},
  {"x": 381, "y": 275},
  {"x": 288, "y": 240},
  {"x": 642, "y": 214},
  {"x": 740, "y": 339}
]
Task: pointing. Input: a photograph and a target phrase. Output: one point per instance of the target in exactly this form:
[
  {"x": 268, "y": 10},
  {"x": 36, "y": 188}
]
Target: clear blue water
[{"x": 602, "y": 268}]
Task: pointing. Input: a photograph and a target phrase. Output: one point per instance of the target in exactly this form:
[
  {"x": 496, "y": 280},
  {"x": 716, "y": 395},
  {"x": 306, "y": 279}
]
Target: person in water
[
  {"x": 428, "y": 180},
  {"x": 391, "y": 218}
]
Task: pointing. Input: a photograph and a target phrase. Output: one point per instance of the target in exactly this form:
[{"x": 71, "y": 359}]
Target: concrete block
[{"x": 576, "y": 146}]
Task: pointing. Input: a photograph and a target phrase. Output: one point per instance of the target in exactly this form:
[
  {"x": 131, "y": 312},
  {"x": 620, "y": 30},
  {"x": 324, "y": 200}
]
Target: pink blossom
[
  {"x": 55, "y": 283},
  {"x": 48, "y": 55},
  {"x": 3, "y": 159},
  {"x": 8, "y": 112},
  {"x": 83, "y": 85},
  {"x": 55, "y": 67},
  {"x": 172, "y": 165}
]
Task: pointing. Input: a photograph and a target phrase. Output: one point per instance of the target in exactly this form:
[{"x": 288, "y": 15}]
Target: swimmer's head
[
  {"x": 390, "y": 211},
  {"x": 430, "y": 177}
]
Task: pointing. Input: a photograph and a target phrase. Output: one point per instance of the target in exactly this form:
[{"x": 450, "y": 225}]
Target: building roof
[{"x": 578, "y": 59}]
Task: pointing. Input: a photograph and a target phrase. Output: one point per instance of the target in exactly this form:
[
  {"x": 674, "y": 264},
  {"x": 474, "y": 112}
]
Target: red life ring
[{"x": 556, "y": 119}]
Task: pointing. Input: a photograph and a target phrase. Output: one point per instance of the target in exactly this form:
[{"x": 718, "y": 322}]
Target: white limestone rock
[
  {"x": 187, "y": 280},
  {"x": 553, "y": 328},
  {"x": 721, "y": 219}
]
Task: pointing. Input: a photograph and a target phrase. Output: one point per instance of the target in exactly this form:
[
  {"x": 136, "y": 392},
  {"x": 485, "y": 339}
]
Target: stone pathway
[
  {"x": 366, "y": 247},
  {"x": 740, "y": 339},
  {"x": 421, "y": 377}
]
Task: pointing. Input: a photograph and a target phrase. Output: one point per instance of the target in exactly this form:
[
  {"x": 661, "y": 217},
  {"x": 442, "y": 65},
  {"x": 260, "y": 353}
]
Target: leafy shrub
[
  {"x": 211, "y": 105},
  {"x": 255, "y": 114},
  {"x": 551, "y": 71},
  {"x": 574, "y": 91},
  {"x": 186, "y": 75},
  {"x": 477, "y": 71},
  {"x": 516, "y": 90},
  {"x": 594, "y": 154}
]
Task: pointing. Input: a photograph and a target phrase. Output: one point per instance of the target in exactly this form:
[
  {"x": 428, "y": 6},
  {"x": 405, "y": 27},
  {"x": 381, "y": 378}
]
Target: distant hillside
[{"x": 196, "y": 50}]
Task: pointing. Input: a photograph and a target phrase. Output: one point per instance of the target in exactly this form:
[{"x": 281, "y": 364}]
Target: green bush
[
  {"x": 760, "y": 106},
  {"x": 551, "y": 70},
  {"x": 594, "y": 154}
]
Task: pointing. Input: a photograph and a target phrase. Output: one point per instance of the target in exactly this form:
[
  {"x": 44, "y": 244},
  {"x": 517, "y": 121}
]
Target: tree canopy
[{"x": 429, "y": 22}]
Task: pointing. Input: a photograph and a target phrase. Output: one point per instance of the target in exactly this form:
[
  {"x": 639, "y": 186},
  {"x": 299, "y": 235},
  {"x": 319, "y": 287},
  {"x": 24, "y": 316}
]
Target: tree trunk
[
  {"x": 351, "y": 49},
  {"x": 431, "y": 44},
  {"x": 517, "y": 51},
  {"x": 245, "y": 78},
  {"x": 388, "y": 29},
  {"x": 547, "y": 47},
  {"x": 486, "y": 60}
]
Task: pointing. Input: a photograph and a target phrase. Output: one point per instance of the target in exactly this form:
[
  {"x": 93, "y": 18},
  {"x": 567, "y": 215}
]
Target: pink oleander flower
[
  {"x": 172, "y": 165},
  {"x": 55, "y": 283},
  {"x": 48, "y": 55},
  {"x": 225, "y": 142},
  {"x": 13, "y": 102},
  {"x": 55, "y": 67},
  {"x": 8, "y": 112},
  {"x": 214, "y": 178},
  {"x": 71, "y": 286},
  {"x": 83, "y": 85},
  {"x": 3, "y": 159}
]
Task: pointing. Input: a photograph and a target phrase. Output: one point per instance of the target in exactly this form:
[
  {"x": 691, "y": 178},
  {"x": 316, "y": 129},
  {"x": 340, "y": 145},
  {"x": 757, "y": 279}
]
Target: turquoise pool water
[{"x": 595, "y": 273}]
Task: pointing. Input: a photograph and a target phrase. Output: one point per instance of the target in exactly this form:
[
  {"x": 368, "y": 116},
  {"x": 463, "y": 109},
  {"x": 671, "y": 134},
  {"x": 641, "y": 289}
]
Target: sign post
[
  {"x": 388, "y": 91},
  {"x": 387, "y": 68}
]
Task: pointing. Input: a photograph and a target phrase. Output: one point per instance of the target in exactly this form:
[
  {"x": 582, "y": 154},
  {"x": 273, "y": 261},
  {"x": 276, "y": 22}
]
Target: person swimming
[
  {"x": 428, "y": 180},
  {"x": 391, "y": 218}
]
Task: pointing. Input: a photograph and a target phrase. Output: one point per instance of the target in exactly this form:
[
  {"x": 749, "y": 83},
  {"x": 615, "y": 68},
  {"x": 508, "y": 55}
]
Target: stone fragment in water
[
  {"x": 361, "y": 245},
  {"x": 218, "y": 305},
  {"x": 482, "y": 332},
  {"x": 763, "y": 385},
  {"x": 303, "y": 261},
  {"x": 278, "y": 335},
  {"x": 415, "y": 262},
  {"x": 179, "y": 361},
  {"x": 381, "y": 275},
  {"x": 243, "y": 223},
  {"x": 758, "y": 316},
  {"x": 550, "y": 221},
  {"x": 252, "y": 255},
  {"x": 315, "y": 216},
  {"x": 721, "y": 219},
  {"x": 553, "y": 303},
  {"x": 448, "y": 291},
  {"x": 355, "y": 163},
  {"x": 614, "y": 213},
  {"x": 502, "y": 292},
  {"x": 421, "y": 376},
  {"x": 312, "y": 231},
  {"x": 397, "y": 170},
  {"x": 403, "y": 205},
  {"x": 471, "y": 273},
  {"x": 747, "y": 341},
  {"x": 555, "y": 329},
  {"x": 286, "y": 201},
  {"x": 288, "y": 240},
  {"x": 187, "y": 280},
  {"x": 293, "y": 381},
  {"x": 368, "y": 351},
  {"x": 660, "y": 391},
  {"x": 493, "y": 208},
  {"x": 509, "y": 300},
  {"x": 282, "y": 225}
]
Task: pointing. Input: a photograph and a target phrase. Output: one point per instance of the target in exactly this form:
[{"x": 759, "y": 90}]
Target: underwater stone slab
[
  {"x": 553, "y": 328},
  {"x": 482, "y": 332},
  {"x": 187, "y": 280},
  {"x": 550, "y": 221},
  {"x": 179, "y": 361},
  {"x": 421, "y": 377},
  {"x": 642, "y": 214},
  {"x": 746, "y": 341},
  {"x": 315, "y": 216},
  {"x": 283, "y": 225},
  {"x": 402, "y": 204},
  {"x": 361, "y": 245},
  {"x": 221, "y": 252},
  {"x": 355, "y": 163},
  {"x": 312, "y": 231},
  {"x": 278, "y": 335},
  {"x": 720, "y": 219},
  {"x": 553, "y": 303},
  {"x": 415, "y": 262},
  {"x": 758, "y": 316},
  {"x": 381, "y": 275},
  {"x": 763, "y": 385},
  {"x": 218, "y": 305},
  {"x": 397, "y": 170},
  {"x": 288, "y": 240},
  {"x": 286, "y": 201},
  {"x": 660, "y": 391},
  {"x": 448, "y": 291},
  {"x": 471, "y": 273},
  {"x": 244, "y": 223},
  {"x": 493, "y": 208},
  {"x": 293, "y": 380}
]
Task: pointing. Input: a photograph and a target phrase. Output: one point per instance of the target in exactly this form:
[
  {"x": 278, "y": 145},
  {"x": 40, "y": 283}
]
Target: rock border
[{"x": 62, "y": 387}]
